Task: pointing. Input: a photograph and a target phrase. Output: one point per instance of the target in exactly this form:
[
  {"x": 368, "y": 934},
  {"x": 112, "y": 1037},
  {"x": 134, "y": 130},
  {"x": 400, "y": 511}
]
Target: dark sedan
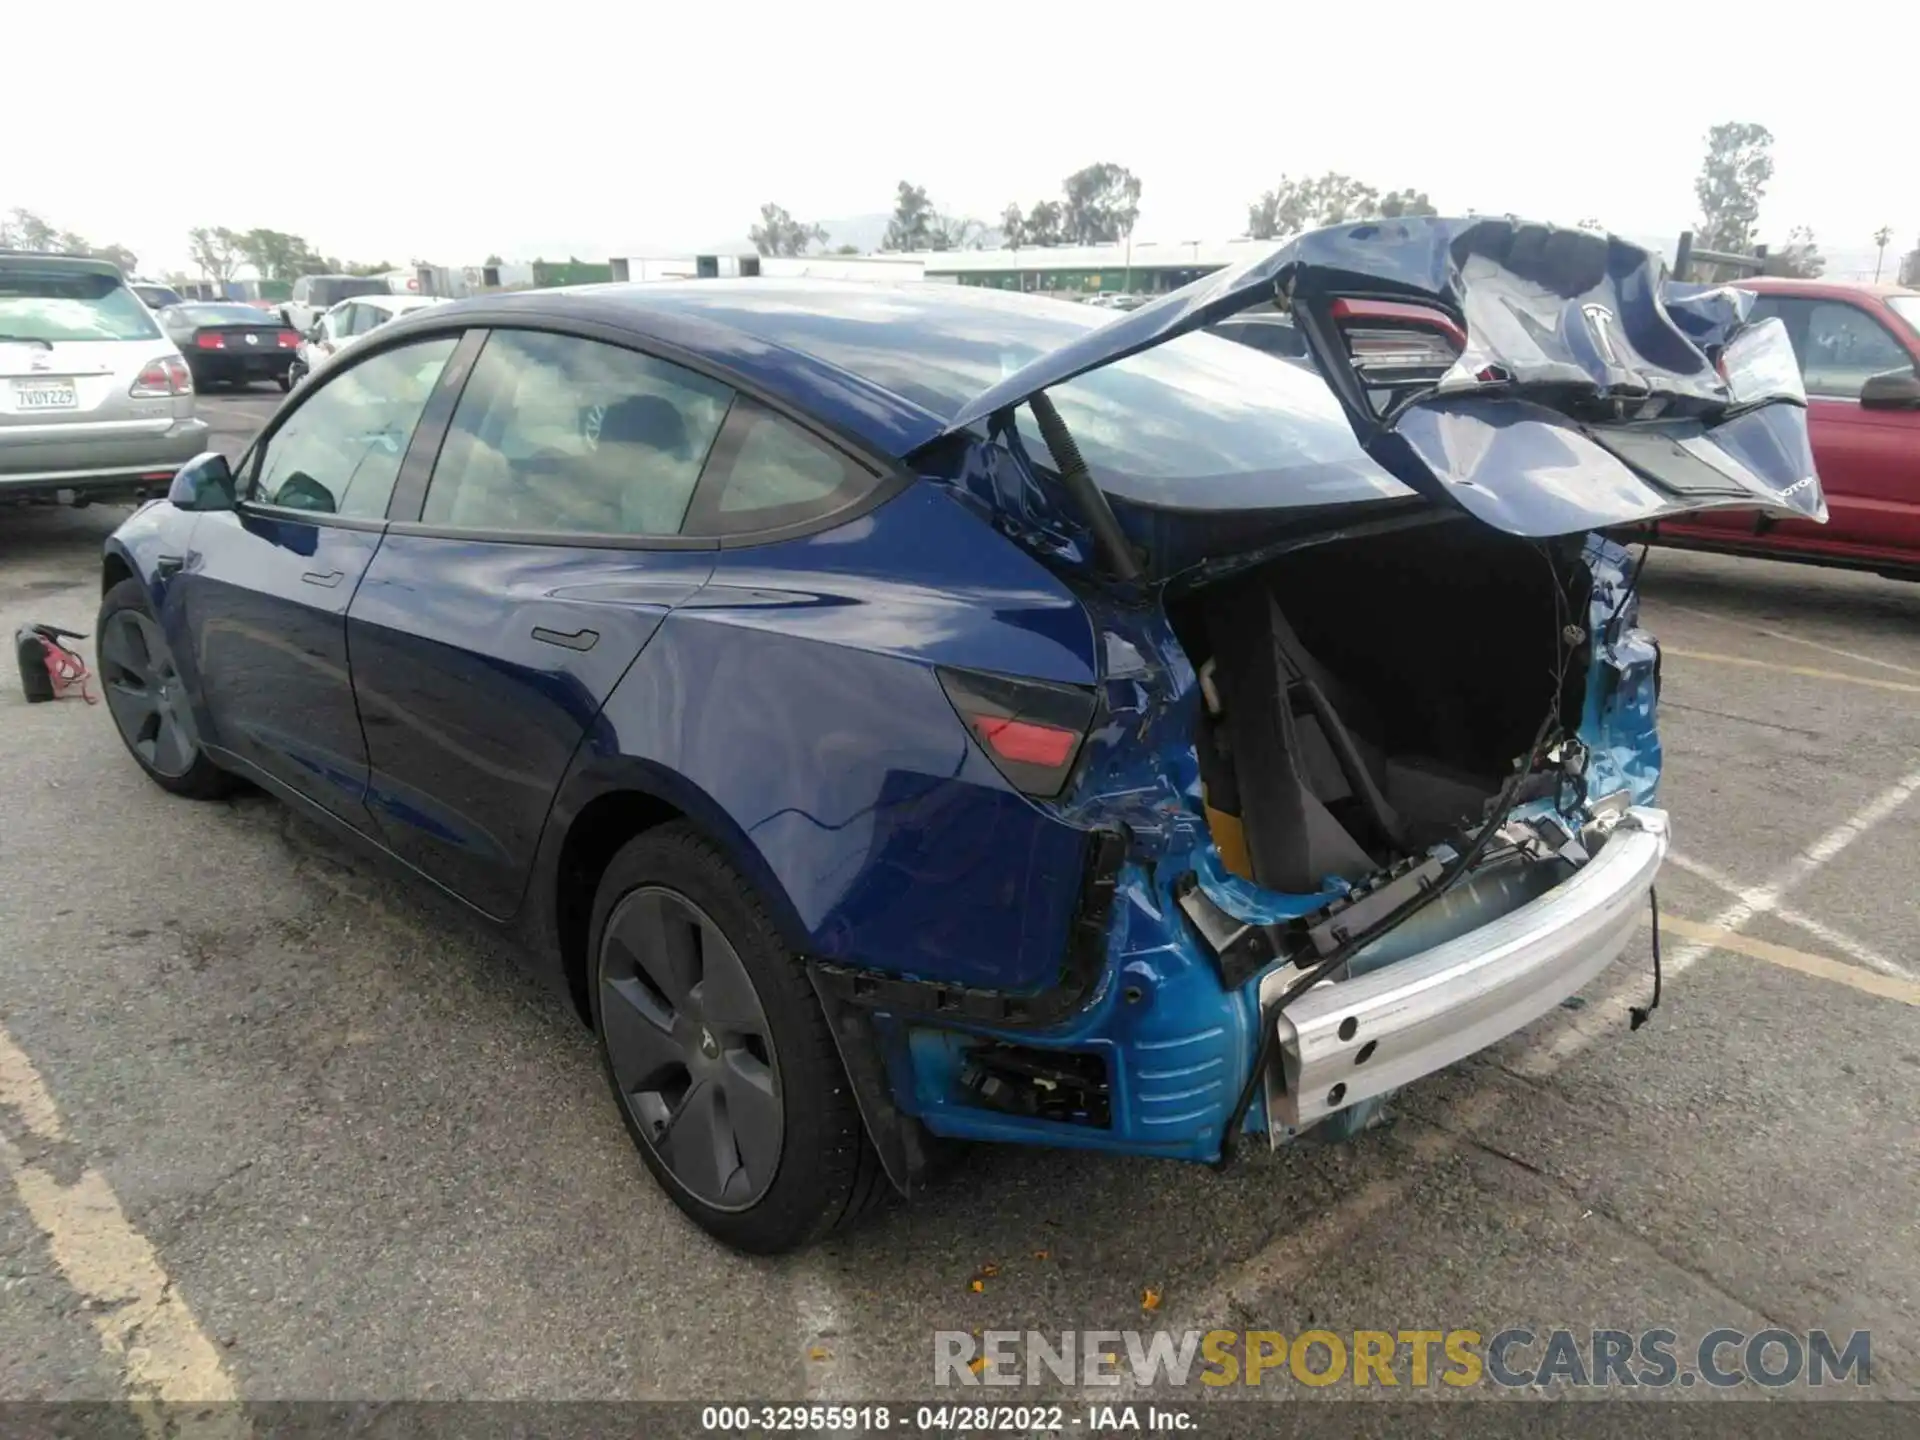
[
  {"x": 231, "y": 344},
  {"x": 900, "y": 715}
]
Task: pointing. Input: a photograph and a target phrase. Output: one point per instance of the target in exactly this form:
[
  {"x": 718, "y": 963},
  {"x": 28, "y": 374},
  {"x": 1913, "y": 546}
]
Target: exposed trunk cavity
[{"x": 1366, "y": 698}]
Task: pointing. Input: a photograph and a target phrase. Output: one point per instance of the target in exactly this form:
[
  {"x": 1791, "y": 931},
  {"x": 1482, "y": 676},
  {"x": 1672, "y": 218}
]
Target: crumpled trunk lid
[{"x": 1579, "y": 389}]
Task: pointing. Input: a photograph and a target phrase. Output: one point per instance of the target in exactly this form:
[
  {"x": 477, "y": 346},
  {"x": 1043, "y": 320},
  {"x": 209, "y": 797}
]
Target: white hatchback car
[{"x": 346, "y": 322}]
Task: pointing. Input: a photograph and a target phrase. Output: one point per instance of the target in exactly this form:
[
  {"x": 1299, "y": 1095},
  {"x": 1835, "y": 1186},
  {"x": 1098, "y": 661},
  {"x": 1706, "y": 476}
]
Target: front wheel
[
  {"x": 718, "y": 1052},
  {"x": 148, "y": 699}
]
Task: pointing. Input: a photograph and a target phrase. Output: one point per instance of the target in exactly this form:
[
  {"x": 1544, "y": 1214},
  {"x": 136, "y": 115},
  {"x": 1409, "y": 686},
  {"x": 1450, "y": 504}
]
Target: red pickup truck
[{"x": 1859, "y": 352}]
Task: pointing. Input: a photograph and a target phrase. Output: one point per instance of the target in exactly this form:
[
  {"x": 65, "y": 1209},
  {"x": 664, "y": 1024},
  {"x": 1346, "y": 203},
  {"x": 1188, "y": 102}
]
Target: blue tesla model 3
[{"x": 905, "y": 715}]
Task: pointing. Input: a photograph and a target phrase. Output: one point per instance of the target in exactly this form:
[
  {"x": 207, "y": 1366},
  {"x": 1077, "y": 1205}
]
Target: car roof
[
  {"x": 1794, "y": 285},
  {"x": 46, "y": 260},
  {"x": 747, "y": 330}
]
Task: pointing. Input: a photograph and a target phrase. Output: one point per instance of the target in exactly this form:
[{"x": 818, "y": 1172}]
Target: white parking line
[
  {"x": 1834, "y": 939},
  {"x": 164, "y": 1354},
  {"x": 1793, "y": 639},
  {"x": 1607, "y": 1015},
  {"x": 1330, "y": 1233}
]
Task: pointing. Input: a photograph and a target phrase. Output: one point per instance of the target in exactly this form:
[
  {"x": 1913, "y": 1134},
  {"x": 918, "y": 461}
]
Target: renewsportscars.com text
[{"x": 1512, "y": 1358}]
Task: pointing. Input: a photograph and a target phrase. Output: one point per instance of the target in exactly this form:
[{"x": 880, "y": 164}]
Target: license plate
[{"x": 45, "y": 395}]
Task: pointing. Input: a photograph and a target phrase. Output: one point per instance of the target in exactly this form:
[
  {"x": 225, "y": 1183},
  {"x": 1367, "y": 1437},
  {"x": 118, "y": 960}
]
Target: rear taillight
[
  {"x": 1032, "y": 730},
  {"x": 287, "y": 340},
  {"x": 1392, "y": 343},
  {"x": 168, "y": 375},
  {"x": 210, "y": 342}
]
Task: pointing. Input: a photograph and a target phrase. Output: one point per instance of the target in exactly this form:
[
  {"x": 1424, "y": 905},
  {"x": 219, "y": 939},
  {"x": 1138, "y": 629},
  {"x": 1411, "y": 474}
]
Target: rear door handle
[
  {"x": 327, "y": 579},
  {"x": 578, "y": 640}
]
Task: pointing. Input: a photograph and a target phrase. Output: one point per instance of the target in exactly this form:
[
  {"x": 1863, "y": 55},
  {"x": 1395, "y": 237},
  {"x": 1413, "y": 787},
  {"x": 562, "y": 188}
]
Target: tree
[
  {"x": 950, "y": 232},
  {"x": 1046, "y": 224},
  {"x": 1100, "y": 204},
  {"x": 377, "y": 267},
  {"x": 846, "y": 249},
  {"x": 1910, "y": 266},
  {"x": 1329, "y": 199},
  {"x": 216, "y": 251},
  {"x": 1013, "y": 227},
  {"x": 1733, "y": 177},
  {"x": 1398, "y": 203},
  {"x": 27, "y": 231},
  {"x": 908, "y": 229},
  {"x": 778, "y": 233},
  {"x": 1799, "y": 257},
  {"x": 1881, "y": 239},
  {"x": 276, "y": 255}
]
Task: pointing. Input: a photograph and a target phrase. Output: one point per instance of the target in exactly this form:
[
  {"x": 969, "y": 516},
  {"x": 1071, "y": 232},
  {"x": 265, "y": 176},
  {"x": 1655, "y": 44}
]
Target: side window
[
  {"x": 768, "y": 472},
  {"x": 1845, "y": 345},
  {"x": 558, "y": 434},
  {"x": 340, "y": 452},
  {"x": 1838, "y": 345}
]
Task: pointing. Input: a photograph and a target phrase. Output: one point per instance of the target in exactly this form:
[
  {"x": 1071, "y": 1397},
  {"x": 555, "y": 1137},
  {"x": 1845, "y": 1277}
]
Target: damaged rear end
[{"x": 1373, "y": 766}]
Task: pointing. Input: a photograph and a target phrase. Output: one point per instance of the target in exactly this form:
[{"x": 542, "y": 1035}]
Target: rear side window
[
  {"x": 54, "y": 305},
  {"x": 339, "y": 453},
  {"x": 767, "y": 472},
  {"x": 562, "y": 435}
]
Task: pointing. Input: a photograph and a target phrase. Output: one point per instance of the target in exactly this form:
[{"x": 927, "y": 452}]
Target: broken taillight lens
[
  {"x": 1031, "y": 730},
  {"x": 1392, "y": 343}
]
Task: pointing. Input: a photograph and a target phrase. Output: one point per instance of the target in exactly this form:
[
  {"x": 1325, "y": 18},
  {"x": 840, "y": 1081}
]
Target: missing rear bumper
[{"x": 1352, "y": 1040}]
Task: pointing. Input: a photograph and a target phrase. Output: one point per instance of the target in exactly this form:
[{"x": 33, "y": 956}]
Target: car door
[
  {"x": 1869, "y": 458},
  {"x": 490, "y": 629},
  {"x": 267, "y": 585}
]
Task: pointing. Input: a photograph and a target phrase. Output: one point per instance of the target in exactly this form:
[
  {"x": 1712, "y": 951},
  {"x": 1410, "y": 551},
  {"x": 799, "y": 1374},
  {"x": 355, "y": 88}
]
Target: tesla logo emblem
[
  {"x": 1600, "y": 326},
  {"x": 253, "y": 339}
]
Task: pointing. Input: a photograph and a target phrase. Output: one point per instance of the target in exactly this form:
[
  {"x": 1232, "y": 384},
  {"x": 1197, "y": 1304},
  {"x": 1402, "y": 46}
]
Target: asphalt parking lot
[{"x": 275, "y": 1125}]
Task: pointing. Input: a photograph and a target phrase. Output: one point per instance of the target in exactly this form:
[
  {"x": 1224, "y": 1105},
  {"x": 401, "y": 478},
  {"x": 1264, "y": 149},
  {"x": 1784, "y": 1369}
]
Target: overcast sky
[{"x": 405, "y": 130}]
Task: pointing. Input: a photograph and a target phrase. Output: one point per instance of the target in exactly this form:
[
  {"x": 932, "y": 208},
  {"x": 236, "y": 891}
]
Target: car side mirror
[
  {"x": 203, "y": 483},
  {"x": 1892, "y": 390}
]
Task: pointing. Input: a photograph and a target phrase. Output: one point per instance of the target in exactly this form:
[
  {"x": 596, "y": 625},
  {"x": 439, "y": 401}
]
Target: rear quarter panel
[{"x": 792, "y": 710}]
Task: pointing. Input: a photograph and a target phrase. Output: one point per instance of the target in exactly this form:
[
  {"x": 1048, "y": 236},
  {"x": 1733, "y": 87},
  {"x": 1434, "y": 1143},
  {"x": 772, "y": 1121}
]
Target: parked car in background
[
  {"x": 154, "y": 296},
  {"x": 345, "y": 323},
  {"x": 900, "y": 713},
  {"x": 231, "y": 343},
  {"x": 95, "y": 401},
  {"x": 1858, "y": 350},
  {"x": 313, "y": 295}
]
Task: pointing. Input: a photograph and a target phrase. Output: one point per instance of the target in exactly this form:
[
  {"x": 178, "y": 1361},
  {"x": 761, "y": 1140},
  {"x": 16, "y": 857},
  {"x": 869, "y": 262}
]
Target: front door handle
[
  {"x": 165, "y": 565},
  {"x": 326, "y": 579},
  {"x": 578, "y": 640}
]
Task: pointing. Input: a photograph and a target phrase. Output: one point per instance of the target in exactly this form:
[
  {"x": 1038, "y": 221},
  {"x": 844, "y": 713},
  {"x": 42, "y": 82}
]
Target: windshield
[
  {"x": 222, "y": 315},
  {"x": 1197, "y": 423},
  {"x": 156, "y": 296},
  {"x": 53, "y": 305},
  {"x": 1907, "y": 307}
]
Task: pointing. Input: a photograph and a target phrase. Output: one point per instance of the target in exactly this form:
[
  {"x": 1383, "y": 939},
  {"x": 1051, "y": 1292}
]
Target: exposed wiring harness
[{"x": 1270, "y": 1014}]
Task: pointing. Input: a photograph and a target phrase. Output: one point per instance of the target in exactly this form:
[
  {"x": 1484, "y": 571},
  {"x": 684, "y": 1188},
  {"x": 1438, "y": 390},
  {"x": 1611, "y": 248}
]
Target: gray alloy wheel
[
  {"x": 145, "y": 694},
  {"x": 690, "y": 1048}
]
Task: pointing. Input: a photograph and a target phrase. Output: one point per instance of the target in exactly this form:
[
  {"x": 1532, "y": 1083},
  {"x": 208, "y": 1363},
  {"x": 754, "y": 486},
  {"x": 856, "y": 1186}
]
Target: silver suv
[{"x": 95, "y": 401}]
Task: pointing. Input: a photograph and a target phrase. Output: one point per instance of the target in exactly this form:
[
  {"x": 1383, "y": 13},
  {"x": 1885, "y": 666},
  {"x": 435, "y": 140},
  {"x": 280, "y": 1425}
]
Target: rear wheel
[
  {"x": 149, "y": 700},
  {"x": 718, "y": 1052},
  {"x": 284, "y": 380}
]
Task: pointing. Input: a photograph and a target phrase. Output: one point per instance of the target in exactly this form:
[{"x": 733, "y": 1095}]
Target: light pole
[{"x": 1880, "y": 238}]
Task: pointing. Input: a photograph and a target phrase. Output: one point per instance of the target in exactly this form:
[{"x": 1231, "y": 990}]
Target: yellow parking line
[
  {"x": 1720, "y": 938},
  {"x": 1812, "y": 674},
  {"x": 136, "y": 1311}
]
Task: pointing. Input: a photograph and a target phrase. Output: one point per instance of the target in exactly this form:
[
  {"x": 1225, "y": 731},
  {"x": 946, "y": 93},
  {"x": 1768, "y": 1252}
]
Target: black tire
[
  {"x": 284, "y": 380},
  {"x": 142, "y": 692},
  {"x": 827, "y": 1172}
]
